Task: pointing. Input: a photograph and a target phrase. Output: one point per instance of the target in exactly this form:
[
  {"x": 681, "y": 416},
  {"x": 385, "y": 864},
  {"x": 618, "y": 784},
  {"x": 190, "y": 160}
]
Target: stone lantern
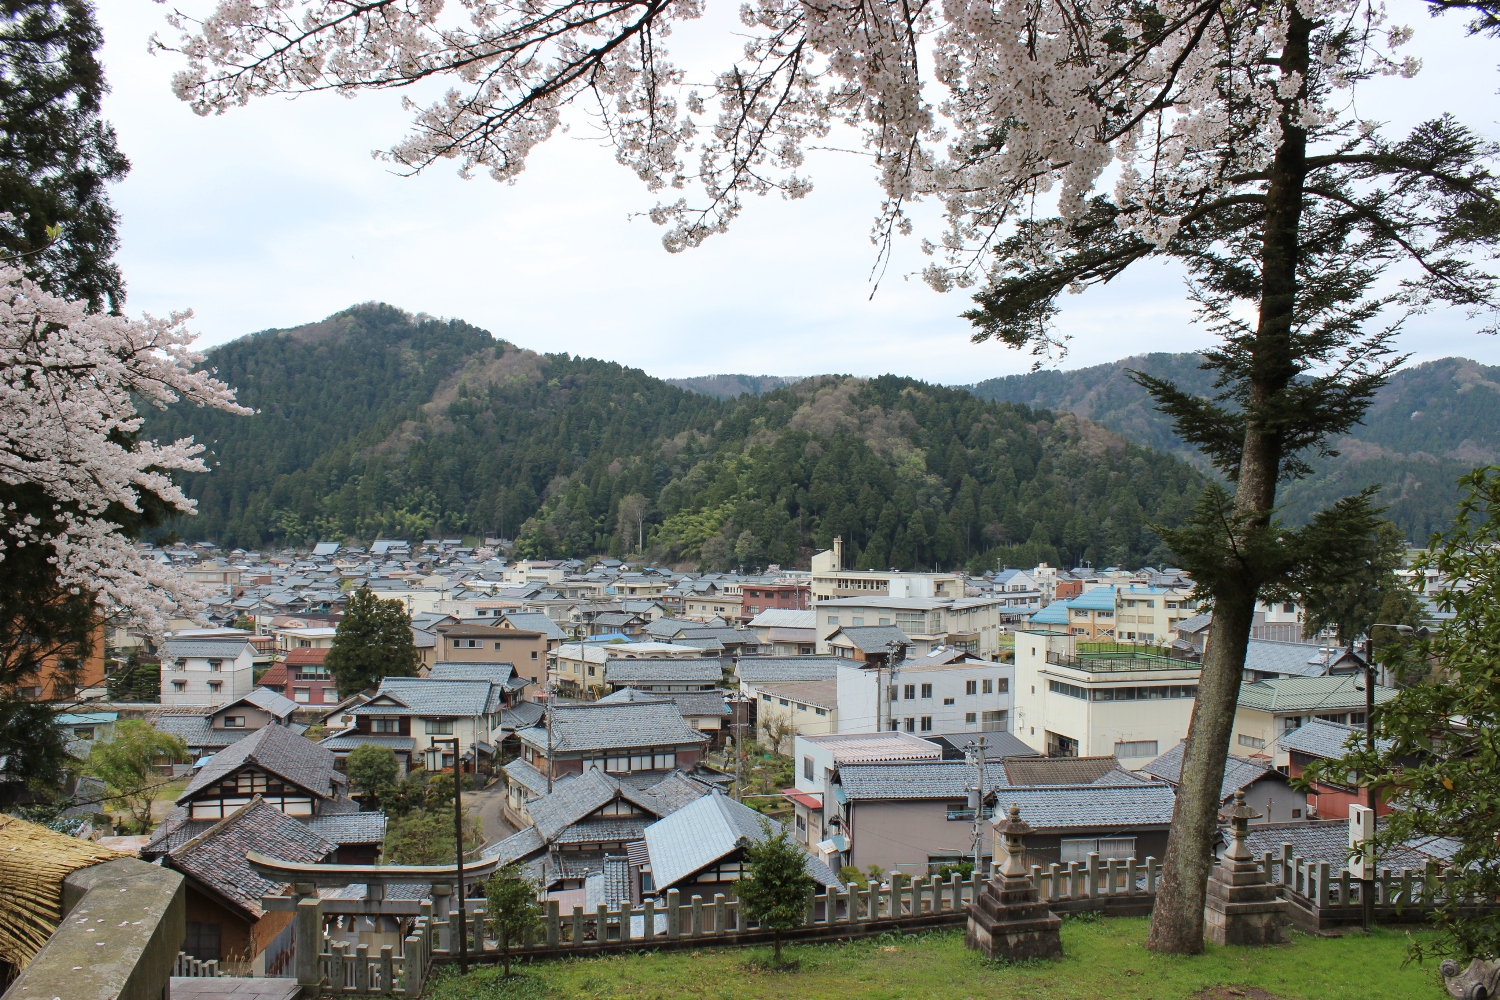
[
  {"x": 1008, "y": 920},
  {"x": 1243, "y": 905}
]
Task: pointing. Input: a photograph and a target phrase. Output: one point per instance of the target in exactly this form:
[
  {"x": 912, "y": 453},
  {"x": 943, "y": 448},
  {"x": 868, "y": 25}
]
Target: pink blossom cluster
[{"x": 70, "y": 382}]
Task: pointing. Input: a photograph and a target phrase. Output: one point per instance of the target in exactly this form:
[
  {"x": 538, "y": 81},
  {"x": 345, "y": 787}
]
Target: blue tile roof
[
  {"x": 1091, "y": 807},
  {"x": 1098, "y": 599}
]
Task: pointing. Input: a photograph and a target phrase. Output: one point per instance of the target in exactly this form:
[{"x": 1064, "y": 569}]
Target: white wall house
[
  {"x": 971, "y": 623},
  {"x": 205, "y": 671},
  {"x": 926, "y": 698},
  {"x": 1129, "y": 703}
]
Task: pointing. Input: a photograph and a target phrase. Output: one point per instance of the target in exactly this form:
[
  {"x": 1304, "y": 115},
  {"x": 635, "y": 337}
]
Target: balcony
[{"x": 1124, "y": 657}]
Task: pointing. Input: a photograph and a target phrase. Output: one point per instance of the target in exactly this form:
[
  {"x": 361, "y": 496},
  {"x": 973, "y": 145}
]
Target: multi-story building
[
  {"x": 208, "y": 670},
  {"x": 1270, "y": 708},
  {"x": 524, "y": 649},
  {"x": 830, "y": 580},
  {"x": 946, "y": 691},
  {"x": 974, "y": 624},
  {"x": 1125, "y": 700},
  {"x": 1149, "y": 614},
  {"x": 758, "y": 597}
]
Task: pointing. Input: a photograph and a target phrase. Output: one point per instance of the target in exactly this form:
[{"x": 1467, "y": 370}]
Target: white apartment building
[
  {"x": 973, "y": 624},
  {"x": 288, "y": 639},
  {"x": 830, "y": 580},
  {"x": 1130, "y": 703},
  {"x": 925, "y": 695},
  {"x": 206, "y": 671},
  {"x": 1150, "y": 614}
]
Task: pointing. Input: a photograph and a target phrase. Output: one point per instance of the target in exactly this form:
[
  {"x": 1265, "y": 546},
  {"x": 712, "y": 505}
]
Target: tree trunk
[
  {"x": 776, "y": 945},
  {"x": 505, "y": 953},
  {"x": 1177, "y": 918}
]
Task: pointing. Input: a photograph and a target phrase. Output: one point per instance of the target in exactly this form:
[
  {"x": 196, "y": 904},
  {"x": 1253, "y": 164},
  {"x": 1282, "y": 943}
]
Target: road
[{"x": 485, "y": 803}]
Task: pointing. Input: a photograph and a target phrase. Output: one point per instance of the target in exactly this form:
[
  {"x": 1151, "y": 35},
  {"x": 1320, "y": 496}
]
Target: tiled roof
[
  {"x": 515, "y": 847},
  {"x": 605, "y": 727},
  {"x": 604, "y": 830},
  {"x": 1328, "y": 841},
  {"x": 518, "y": 772},
  {"x": 702, "y": 832},
  {"x": 173, "y": 832},
  {"x": 522, "y": 715},
  {"x": 775, "y": 669},
  {"x": 783, "y": 618},
  {"x": 535, "y": 622},
  {"x": 277, "y": 750},
  {"x": 227, "y": 649},
  {"x": 1308, "y": 694},
  {"x": 1097, "y": 599},
  {"x": 924, "y": 779},
  {"x": 1058, "y": 770},
  {"x": 266, "y": 700},
  {"x": 1239, "y": 772},
  {"x": 677, "y": 790},
  {"x": 349, "y": 828},
  {"x": 1197, "y": 623},
  {"x": 216, "y": 857},
  {"x": 1297, "y": 659},
  {"x": 348, "y": 739},
  {"x": 275, "y": 678},
  {"x": 1318, "y": 738},
  {"x": 689, "y": 703},
  {"x": 196, "y": 733},
  {"x": 1091, "y": 807},
  {"x": 873, "y": 638},
  {"x": 997, "y": 745},
  {"x": 306, "y": 656},
  {"x": 610, "y": 886},
  {"x": 494, "y": 673},
  {"x": 424, "y": 696},
  {"x": 704, "y": 671},
  {"x": 570, "y": 802}
]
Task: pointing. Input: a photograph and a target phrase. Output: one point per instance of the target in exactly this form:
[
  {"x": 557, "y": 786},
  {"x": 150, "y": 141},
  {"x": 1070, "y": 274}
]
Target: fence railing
[{"x": 191, "y": 968}]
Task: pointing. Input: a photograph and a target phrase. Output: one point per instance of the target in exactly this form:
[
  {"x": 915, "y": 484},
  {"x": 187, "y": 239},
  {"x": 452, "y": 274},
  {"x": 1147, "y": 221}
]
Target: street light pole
[{"x": 458, "y": 836}]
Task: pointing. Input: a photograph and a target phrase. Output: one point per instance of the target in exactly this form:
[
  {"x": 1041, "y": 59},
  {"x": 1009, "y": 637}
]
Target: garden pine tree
[
  {"x": 775, "y": 894},
  {"x": 513, "y": 910},
  {"x": 373, "y": 641}
]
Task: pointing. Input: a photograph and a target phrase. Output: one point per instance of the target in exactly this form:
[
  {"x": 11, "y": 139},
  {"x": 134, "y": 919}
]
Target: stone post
[
  {"x": 309, "y": 918},
  {"x": 1243, "y": 905},
  {"x": 1007, "y": 919}
]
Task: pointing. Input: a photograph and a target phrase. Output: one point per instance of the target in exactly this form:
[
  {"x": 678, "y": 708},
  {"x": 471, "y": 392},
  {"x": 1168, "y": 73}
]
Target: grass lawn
[{"x": 1105, "y": 960}]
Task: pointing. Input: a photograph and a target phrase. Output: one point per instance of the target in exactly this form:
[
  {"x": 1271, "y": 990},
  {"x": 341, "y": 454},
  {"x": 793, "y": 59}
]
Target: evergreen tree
[
  {"x": 373, "y": 772},
  {"x": 135, "y": 680},
  {"x": 373, "y": 641},
  {"x": 56, "y": 152},
  {"x": 513, "y": 910},
  {"x": 775, "y": 893}
]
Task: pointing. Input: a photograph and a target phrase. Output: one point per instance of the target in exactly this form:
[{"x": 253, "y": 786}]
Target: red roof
[
  {"x": 275, "y": 677},
  {"x": 305, "y": 657},
  {"x": 805, "y": 799}
]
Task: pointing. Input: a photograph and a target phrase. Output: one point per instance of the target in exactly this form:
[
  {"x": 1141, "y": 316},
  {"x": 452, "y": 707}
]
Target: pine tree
[
  {"x": 775, "y": 894},
  {"x": 373, "y": 642},
  {"x": 56, "y": 152},
  {"x": 513, "y": 910}
]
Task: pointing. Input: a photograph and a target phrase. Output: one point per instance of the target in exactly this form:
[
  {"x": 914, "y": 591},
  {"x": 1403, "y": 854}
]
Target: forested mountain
[
  {"x": 729, "y": 386},
  {"x": 377, "y": 423},
  {"x": 1429, "y": 425}
]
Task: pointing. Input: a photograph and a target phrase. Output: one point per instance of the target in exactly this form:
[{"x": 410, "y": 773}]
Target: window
[
  {"x": 1289, "y": 609},
  {"x": 821, "y": 711},
  {"x": 301, "y": 694},
  {"x": 216, "y": 686},
  {"x": 926, "y": 690},
  {"x": 926, "y": 723},
  {"x": 84, "y": 732},
  {"x": 1079, "y": 848},
  {"x": 1071, "y": 690},
  {"x": 1059, "y": 745},
  {"x": 910, "y": 692},
  {"x": 1356, "y": 718},
  {"x": 533, "y": 654},
  {"x": 1136, "y": 748},
  {"x": 989, "y": 686},
  {"x": 858, "y": 620},
  {"x": 234, "y": 722},
  {"x": 1290, "y": 722},
  {"x": 971, "y": 718},
  {"x": 885, "y": 621},
  {"x": 591, "y": 670},
  {"x": 304, "y": 643},
  {"x": 807, "y": 768},
  {"x": 385, "y": 725},
  {"x": 783, "y": 702},
  {"x": 947, "y": 701},
  {"x": 971, "y": 687},
  {"x": 911, "y": 725},
  {"x": 216, "y": 664},
  {"x": 1252, "y": 741},
  {"x": 330, "y": 696},
  {"x": 833, "y": 619},
  {"x": 438, "y": 727},
  {"x": 176, "y": 686},
  {"x": 202, "y": 941},
  {"x": 994, "y": 722},
  {"x": 894, "y": 692},
  {"x": 1144, "y": 693},
  {"x": 1296, "y": 814}
]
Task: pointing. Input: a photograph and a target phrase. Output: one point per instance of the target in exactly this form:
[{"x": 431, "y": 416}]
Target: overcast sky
[{"x": 276, "y": 215}]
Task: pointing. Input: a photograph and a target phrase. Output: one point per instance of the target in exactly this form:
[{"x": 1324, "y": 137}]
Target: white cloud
[{"x": 276, "y": 214}]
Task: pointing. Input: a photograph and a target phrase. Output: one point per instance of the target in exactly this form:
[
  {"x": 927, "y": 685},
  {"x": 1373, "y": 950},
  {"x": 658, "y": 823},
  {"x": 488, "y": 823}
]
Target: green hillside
[
  {"x": 1429, "y": 425},
  {"x": 377, "y": 423}
]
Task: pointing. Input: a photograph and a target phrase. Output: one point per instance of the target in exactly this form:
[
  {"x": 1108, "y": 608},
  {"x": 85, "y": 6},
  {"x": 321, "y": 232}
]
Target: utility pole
[
  {"x": 458, "y": 837},
  {"x": 975, "y": 754}
]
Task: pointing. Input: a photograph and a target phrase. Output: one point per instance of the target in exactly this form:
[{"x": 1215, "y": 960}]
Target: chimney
[{"x": 838, "y": 552}]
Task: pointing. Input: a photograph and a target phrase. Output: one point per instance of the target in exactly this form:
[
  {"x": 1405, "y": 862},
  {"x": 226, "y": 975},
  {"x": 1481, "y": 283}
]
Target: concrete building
[
  {"x": 1270, "y": 708},
  {"x": 1129, "y": 702},
  {"x": 940, "y": 693},
  {"x": 817, "y": 761},
  {"x": 975, "y": 624},
  {"x": 830, "y": 580},
  {"x": 206, "y": 671}
]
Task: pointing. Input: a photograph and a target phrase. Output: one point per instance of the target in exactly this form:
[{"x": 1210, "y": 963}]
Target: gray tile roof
[
  {"x": 216, "y": 857},
  {"x": 1054, "y": 808},
  {"x": 264, "y": 698},
  {"x": 424, "y": 696},
  {"x": 522, "y": 715},
  {"x": 1317, "y": 738},
  {"x": 689, "y": 703},
  {"x": 173, "y": 832},
  {"x": 518, "y": 772},
  {"x": 276, "y": 750},
  {"x": 1058, "y": 770},
  {"x": 776, "y": 669},
  {"x": 874, "y": 638},
  {"x": 494, "y": 673},
  {"x": 702, "y": 832},
  {"x": 574, "y": 800},
  {"x": 349, "y": 828},
  {"x": 518, "y": 846},
  {"x": 227, "y": 649},
  {"x": 598, "y": 726},
  {"x": 678, "y": 789},
  {"x": 604, "y": 830},
  {"x": 610, "y": 886},
  {"x": 535, "y": 621},
  {"x": 348, "y": 739},
  {"x": 625, "y": 672},
  {"x": 914, "y": 779},
  {"x": 1239, "y": 772},
  {"x": 1328, "y": 841},
  {"x": 1296, "y": 659},
  {"x": 195, "y": 731}
]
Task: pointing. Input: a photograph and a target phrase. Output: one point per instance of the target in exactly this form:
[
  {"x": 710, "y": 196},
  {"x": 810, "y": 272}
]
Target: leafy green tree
[
  {"x": 373, "y": 641},
  {"x": 136, "y": 680},
  {"x": 1438, "y": 768},
  {"x": 127, "y": 766},
  {"x": 56, "y": 153},
  {"x": 775, "y": 893},
  {"x": 513, "y": 910},
  {"x": 373, "y": 772},
  {"x": 425, "y": 837}
]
